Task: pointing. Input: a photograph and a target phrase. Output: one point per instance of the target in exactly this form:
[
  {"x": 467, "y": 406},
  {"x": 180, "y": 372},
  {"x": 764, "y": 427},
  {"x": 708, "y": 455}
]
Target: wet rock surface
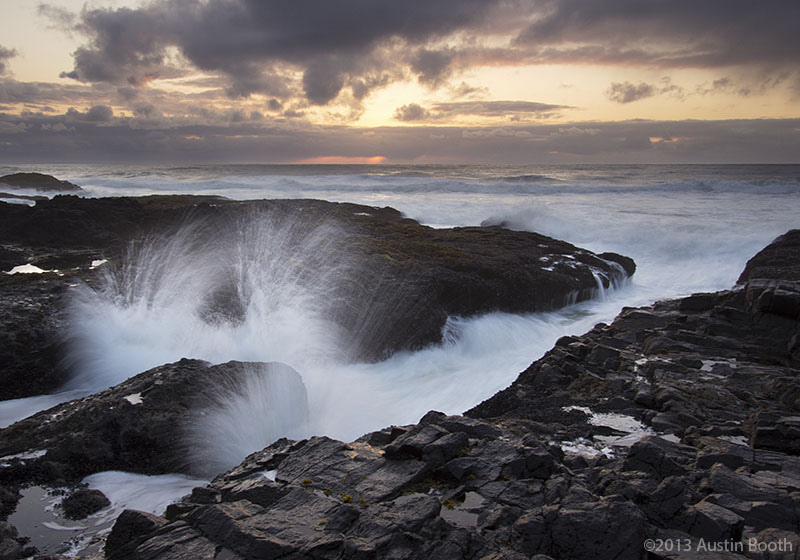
[
  {"x": 395, "y": 281},
  {"x": 552, "y": 467}
]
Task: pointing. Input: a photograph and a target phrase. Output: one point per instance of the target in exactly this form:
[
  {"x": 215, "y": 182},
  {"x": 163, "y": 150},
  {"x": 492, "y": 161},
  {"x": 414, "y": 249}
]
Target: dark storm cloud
[
  {"x": 669, "y": 33},
  {"x": 251, "y": 40},
  {"x": 5, "y": 56},
  {"x": 350, "y": 48},
  {"x": 432, "y": 67}
]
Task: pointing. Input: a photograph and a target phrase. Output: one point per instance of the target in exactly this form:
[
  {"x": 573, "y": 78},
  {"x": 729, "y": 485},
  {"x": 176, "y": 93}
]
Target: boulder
[
  {"x": 780, "y": 260},
  {"x": 83, "y": 502}
]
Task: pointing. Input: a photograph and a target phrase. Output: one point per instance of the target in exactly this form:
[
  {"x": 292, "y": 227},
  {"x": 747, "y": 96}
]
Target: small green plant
[
  {"x": 448, "y": 503},
  {"x": 347, "y": 498},
  {"x": 306, "y": 482}
]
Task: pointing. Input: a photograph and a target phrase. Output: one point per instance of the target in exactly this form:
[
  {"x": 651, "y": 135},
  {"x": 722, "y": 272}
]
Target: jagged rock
[
  {"x": 771, "y": 430},
  {"x": 130, "y": 528},
  {"x": 780, "y": 260},
  {"x": 12, "y": 546},
  {"x": 713, "y": 523}
]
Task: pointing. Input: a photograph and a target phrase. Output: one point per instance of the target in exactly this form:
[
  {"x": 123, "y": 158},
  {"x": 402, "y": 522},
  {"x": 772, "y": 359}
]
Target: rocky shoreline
[
  {"x": 670, "y": 433},
  {"x": 712, "y": 471}
]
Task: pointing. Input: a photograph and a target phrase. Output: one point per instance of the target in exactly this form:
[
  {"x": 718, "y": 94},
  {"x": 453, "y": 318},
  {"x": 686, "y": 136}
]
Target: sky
[{"x": 400, "y": 81}]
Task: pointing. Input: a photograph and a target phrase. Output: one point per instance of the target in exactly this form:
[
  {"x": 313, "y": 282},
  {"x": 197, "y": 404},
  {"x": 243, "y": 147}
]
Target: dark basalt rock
[
  {"x": 780, "y": 260},
  {"x": 83, "y": 503},
  {"x": 37, "y": 181},
  {"x": 31, "y": 323},
  {"x": 717, "y": 370}
]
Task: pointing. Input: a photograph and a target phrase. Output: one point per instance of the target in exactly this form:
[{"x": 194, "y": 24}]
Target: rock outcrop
[
  {"x": 676, "y": 423},
  {"x": 37, "y": 182}
]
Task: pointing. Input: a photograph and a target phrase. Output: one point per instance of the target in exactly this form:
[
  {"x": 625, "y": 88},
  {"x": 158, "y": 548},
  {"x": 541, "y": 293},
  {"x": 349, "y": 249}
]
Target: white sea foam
[
  {"x": 137, "y": 491},
  {"x": 27, "y": 269}
]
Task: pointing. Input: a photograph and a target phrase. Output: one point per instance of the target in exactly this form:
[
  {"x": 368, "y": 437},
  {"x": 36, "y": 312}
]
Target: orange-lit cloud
[{"x": 352, "y": 160}]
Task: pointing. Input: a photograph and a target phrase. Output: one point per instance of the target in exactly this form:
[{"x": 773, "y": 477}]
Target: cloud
[
  {"x": 432, "y": 67},
  {"x": 13, "y": 91},
  {"x": 514, "y": 110},
  {"x": 472, "y": 92},
  {"x": 5, "y": 55},
  {"x": 666, "y": 33},
  {"x": 95, "y": 114},
  {"x": 411, "y": 112},
  {"x": 627, "y": 92},
  {"x": 12, "y": 128},
  {"x": 57, "y": 127},
  {"x": 146, "y": 110},
  {"x": 260, "y": 45},
  {"x": 60, "y": 18},
  {"x": 497, "y": 108}
]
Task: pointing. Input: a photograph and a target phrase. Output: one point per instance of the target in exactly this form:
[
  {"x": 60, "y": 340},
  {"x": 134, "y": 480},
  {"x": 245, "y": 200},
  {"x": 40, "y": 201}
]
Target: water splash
[
  {"x": 259, "y": 291},
  {"x": 267, "y": 402}
]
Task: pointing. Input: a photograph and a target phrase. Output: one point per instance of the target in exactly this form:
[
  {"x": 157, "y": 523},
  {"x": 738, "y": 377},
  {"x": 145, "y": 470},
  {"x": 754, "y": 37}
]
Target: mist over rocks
[{"x": 677, "y": 422}]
